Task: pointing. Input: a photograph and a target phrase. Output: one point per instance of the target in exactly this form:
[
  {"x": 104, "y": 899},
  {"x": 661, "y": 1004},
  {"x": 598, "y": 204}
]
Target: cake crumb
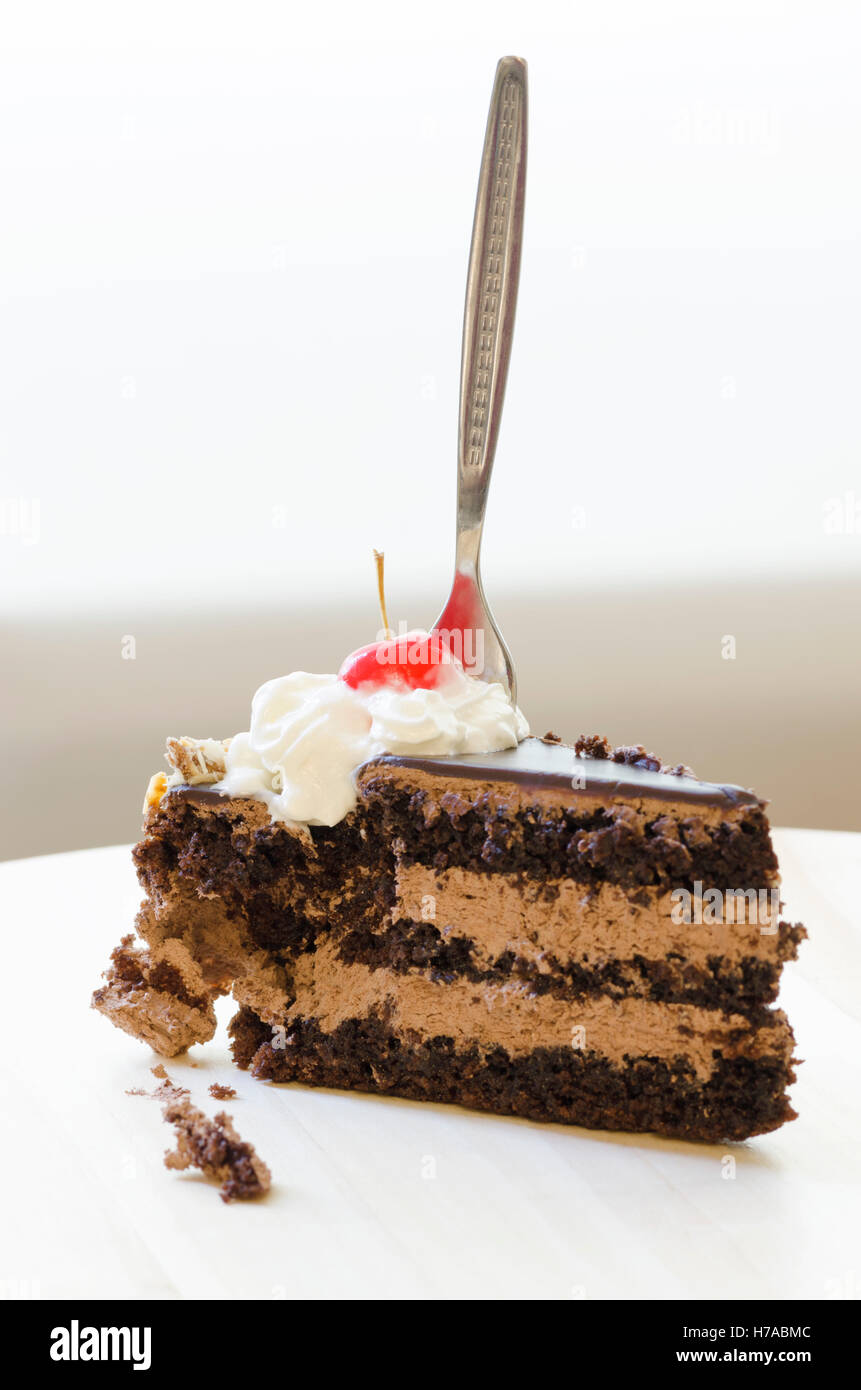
[
  {"x": 680, "y": 770},
  {"x": 219, "y": 1092},
  {"x": 165, "y": 1090},
  {"x": 213, "y": 1146},
  {"x": 592, "y": 746},
  {"x": 635, "y": 755},
  {"x": 631, "y": 754},
  {"x": 216, "y": 1149},
  {"x": 551, "y": 738}
]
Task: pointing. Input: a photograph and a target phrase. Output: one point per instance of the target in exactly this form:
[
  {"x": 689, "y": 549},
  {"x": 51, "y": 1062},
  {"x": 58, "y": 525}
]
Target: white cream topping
[{"x": 309, "y": 733}]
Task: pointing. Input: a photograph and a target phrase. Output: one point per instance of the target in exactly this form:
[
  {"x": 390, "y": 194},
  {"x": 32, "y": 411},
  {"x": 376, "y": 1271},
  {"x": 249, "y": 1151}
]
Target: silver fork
[{"x": 488, "y": 324}]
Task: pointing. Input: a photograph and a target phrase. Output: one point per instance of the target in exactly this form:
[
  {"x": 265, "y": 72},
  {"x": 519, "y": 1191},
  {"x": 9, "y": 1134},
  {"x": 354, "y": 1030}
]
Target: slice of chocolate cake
[{"x": 564, "y": 933}]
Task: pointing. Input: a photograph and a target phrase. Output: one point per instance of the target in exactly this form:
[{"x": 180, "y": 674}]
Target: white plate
[{"x": 374, "y": 1197}]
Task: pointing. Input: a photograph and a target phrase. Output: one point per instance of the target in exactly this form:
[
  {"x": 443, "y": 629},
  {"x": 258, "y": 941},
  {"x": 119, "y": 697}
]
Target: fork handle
[{"x": 491, "y": 295}]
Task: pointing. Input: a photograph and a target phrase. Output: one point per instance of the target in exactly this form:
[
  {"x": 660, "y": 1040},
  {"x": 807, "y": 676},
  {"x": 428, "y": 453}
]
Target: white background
[{"x": 232, "y": 258}]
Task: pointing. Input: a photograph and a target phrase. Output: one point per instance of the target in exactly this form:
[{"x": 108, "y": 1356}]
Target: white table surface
[{"x": 375, "y": 1197}]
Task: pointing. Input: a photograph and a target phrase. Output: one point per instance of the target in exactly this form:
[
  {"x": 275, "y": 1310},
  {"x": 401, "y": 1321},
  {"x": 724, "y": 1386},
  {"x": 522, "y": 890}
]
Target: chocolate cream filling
[
  {"x": 569, "y": 921},
  {"x": 513, "y": 1017}
]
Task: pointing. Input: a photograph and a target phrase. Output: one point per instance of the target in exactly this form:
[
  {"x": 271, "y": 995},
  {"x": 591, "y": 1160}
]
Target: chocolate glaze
[
  {"x": 201, "y": 795},
  {"x": 534, "y": 763}
]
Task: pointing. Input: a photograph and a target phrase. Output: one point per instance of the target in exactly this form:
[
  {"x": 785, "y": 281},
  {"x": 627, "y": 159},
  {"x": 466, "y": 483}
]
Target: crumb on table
[
  {"x": 220, "y": 1092},
  {"x": 212, "y": 1145}
]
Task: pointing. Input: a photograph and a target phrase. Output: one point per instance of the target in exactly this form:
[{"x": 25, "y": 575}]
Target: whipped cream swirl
[{"x": 309, "y": 734}]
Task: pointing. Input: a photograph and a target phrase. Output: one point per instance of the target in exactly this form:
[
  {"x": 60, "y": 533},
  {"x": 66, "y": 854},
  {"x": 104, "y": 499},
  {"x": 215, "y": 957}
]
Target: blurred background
[{"x": 234, "y": 248}]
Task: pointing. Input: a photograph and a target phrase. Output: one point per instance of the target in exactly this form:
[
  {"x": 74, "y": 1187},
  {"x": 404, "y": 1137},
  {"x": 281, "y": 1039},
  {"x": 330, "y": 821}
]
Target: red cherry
[{"x": 416, "y": 661}]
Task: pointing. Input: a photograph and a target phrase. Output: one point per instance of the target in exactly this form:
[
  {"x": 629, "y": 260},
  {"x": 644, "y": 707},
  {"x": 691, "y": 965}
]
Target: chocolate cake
[{"x": 570, "y": 934}]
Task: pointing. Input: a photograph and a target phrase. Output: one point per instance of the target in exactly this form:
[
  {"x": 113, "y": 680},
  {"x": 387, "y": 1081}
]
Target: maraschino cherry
[{"x": 415, "y": 660}]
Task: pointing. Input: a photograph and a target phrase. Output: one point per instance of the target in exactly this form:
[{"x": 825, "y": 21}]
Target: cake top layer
[
  {"x": 539, "y": 763},
  {"x": 313, "y": 737}
]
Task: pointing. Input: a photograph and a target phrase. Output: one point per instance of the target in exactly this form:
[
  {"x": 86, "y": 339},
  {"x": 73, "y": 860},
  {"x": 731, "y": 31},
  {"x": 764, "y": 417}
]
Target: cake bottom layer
[{"x": 743, "y": 1096}]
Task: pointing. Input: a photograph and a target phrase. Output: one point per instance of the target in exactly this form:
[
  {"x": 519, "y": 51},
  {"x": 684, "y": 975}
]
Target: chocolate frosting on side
[{"x": 534, "y": 763}]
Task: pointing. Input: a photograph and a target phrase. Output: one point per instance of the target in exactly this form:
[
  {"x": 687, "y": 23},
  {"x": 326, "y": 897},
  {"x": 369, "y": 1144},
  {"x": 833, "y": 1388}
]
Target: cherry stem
[{"x": 379, "y": 561}]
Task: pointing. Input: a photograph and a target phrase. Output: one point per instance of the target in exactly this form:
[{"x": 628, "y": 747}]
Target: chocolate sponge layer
[
  {"x": 743, "y": 1097},
  {"x": 586, "y": 843}
]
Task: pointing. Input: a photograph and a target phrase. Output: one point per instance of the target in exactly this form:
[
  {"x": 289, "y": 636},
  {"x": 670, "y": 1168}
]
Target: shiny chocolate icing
[{"x": 538, "y": 763}]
